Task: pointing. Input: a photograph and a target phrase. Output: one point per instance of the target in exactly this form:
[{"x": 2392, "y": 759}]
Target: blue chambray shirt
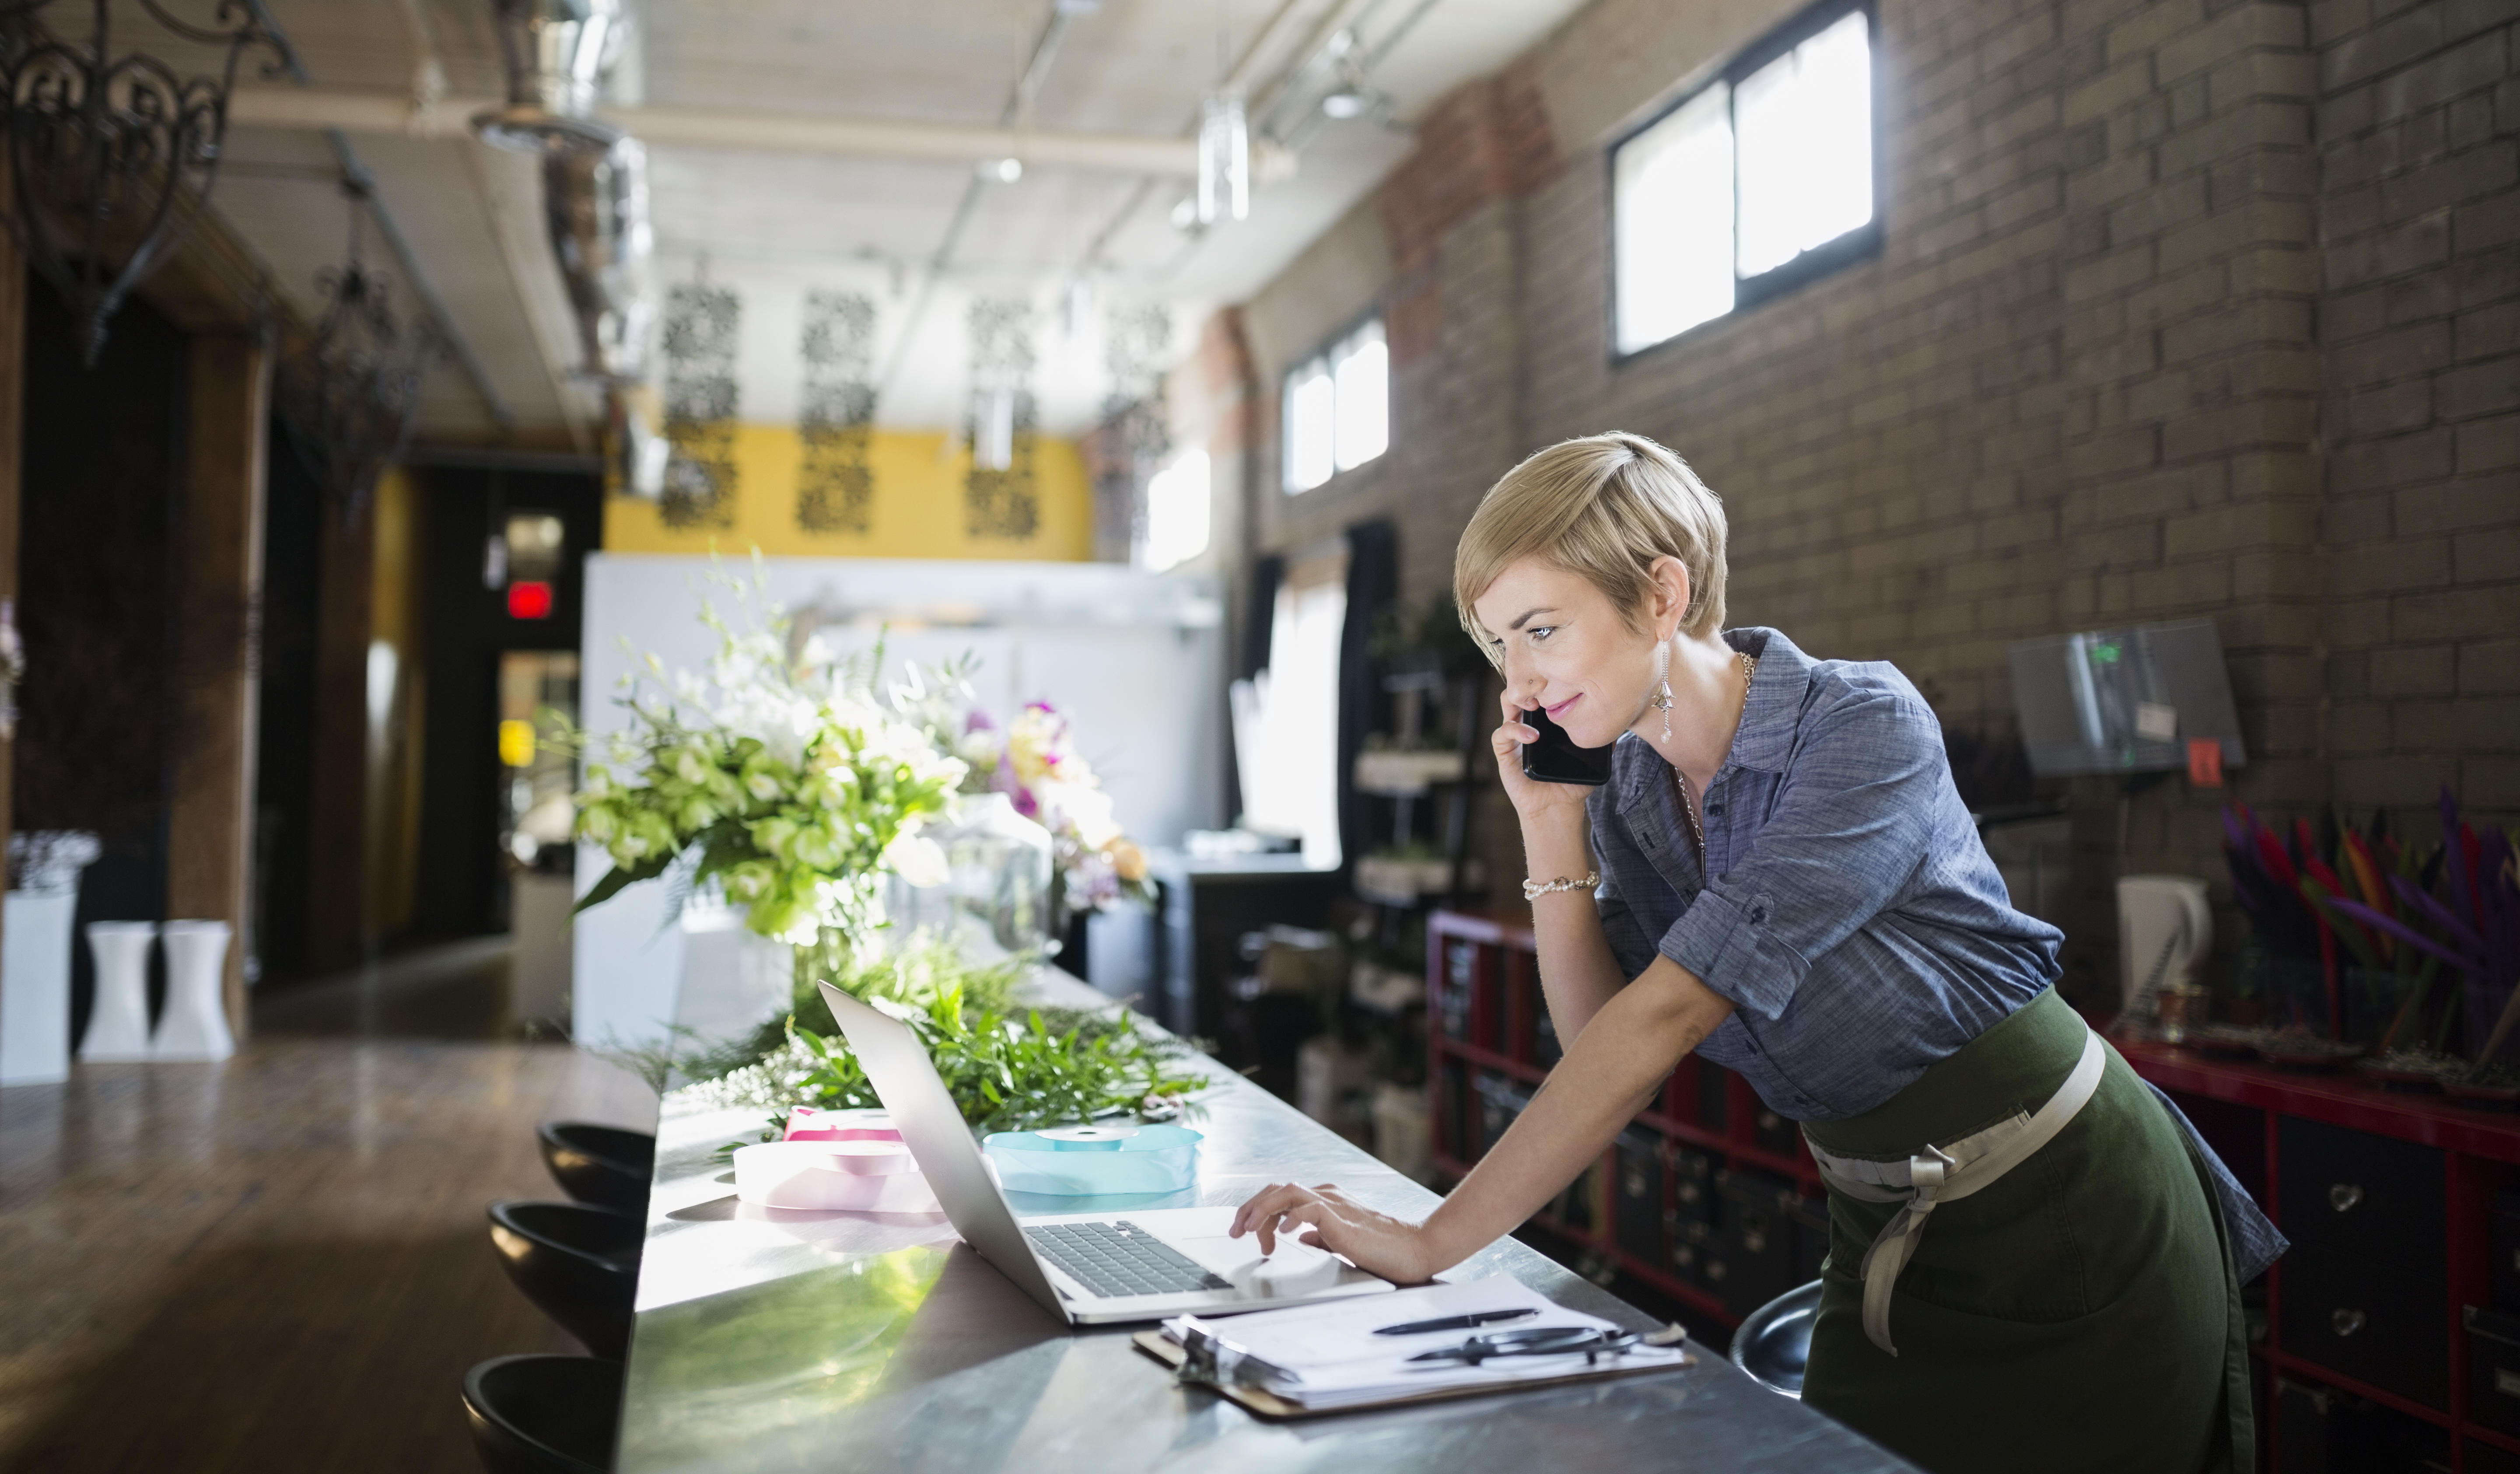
[{"x": 1851, "y": 915}]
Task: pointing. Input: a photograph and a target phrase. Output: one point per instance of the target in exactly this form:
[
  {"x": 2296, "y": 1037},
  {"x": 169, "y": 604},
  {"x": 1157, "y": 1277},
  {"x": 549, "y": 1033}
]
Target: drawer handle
[
  {"x": 2342, "y": 1196},
  {"x": 2347, "y": 1323}
]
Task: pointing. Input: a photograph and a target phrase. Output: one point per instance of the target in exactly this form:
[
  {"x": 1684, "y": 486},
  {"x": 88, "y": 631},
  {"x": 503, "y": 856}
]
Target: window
[
  {"x": 1177, "y": 511},
  {"x": 1755, "y": 183},
  {"x": 1339, "y": 408},
  {"x": 1285, "y": 718}
]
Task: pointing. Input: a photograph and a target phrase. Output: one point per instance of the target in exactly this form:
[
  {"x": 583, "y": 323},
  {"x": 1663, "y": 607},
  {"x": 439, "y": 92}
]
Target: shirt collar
[
  {"x": 1773, "y": 710},
  {"x": 1770, "y": 717}
]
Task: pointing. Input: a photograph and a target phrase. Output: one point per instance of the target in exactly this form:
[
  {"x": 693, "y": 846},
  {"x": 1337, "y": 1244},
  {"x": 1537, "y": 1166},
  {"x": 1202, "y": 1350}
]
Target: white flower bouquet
[{"x": 783, "y": 779}]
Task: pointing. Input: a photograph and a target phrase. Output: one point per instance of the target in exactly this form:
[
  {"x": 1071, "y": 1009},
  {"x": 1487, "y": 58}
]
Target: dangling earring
[{"x": 1662, "y": 685}]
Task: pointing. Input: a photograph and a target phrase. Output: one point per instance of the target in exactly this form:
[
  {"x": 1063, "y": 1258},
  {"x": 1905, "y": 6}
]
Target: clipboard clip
[{"x": 1208, "y": 1360}]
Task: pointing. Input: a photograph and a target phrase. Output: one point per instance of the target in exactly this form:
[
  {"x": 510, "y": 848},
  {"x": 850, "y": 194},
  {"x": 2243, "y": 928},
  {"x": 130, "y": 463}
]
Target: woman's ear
[{"x": 1671, "y": 590}]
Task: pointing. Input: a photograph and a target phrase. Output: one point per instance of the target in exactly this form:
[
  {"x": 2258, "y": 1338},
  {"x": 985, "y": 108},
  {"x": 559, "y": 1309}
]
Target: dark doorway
[
  {"x": 101, "y": 511},
  {"x": 471, "y": 622},
  {"x": 284, "y": 785}
]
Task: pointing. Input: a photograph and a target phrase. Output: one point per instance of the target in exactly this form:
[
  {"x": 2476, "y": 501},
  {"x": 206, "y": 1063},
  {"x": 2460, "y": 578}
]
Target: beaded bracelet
[{"x": 1533, "y": 889}]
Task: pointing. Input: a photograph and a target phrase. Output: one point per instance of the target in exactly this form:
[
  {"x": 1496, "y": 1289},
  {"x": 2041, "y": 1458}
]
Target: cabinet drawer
[
  {"x": 2356, "y": 1193},
  {"x": 1693, "y": 1176},
  {"x": 2373, "y": 1325},
  {"x": 1642, "y": 1194}
]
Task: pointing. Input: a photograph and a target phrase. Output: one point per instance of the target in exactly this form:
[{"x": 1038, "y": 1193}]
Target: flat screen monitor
[{"x": 2124, "y": 701}]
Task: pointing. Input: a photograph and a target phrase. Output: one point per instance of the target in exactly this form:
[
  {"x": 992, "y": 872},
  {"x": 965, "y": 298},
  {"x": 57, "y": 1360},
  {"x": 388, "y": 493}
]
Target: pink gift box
[{"x": 878, "y": 1177}]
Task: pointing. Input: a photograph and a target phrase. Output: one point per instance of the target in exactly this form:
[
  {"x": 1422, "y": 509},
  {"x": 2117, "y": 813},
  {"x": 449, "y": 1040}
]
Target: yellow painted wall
[
  {"x": 917, "y": 505},
  {"x": 394, "y": 754}
]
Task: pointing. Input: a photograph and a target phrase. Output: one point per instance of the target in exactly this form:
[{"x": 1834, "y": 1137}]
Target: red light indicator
[{"x": 529, "y": 600}]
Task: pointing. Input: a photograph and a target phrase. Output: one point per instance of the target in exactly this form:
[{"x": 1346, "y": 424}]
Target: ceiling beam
[{"x": 373, "y": 111}]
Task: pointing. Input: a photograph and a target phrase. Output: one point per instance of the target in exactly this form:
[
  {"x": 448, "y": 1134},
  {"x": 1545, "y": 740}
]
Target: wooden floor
[{"x": 281, "y": 1262}]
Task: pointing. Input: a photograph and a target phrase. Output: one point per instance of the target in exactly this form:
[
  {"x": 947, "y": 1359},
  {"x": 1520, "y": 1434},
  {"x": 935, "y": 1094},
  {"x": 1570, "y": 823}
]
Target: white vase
[
  {"x": 35, "y": 940},
  {"x": 36, "y": 934},
  {"x": 196, "y": 1021},
  {"x": 117, "y": 1028}
]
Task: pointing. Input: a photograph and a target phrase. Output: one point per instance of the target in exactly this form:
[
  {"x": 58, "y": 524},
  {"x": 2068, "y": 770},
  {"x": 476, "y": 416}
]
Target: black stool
[
  {"x": 1775, "y": 1343},
  {"x": 543, "y": 1414},
  {"x": 600, "y": 1163},
  {"x": 578, "y": 1263}
]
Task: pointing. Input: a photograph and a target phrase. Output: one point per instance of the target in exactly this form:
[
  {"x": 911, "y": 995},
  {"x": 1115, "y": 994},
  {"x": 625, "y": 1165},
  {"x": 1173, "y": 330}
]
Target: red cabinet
[{"x": 2385, "y": 1197}]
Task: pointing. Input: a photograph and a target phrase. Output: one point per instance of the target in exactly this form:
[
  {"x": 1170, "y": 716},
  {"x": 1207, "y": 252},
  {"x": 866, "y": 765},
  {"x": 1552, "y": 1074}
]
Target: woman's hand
[
  {"x": 1539, "y": 805},
  {"x": 1326, "y": 1217}
]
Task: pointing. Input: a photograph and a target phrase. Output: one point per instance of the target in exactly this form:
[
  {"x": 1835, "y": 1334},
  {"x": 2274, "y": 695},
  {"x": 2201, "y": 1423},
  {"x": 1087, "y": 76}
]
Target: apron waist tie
[{"x": 1946, "y": 1174}]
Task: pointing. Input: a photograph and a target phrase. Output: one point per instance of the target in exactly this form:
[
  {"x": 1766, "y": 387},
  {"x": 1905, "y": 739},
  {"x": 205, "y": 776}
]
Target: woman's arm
[
  {"x": 1606, "y": 1077},
  {"x": 1578, "y": 973}
]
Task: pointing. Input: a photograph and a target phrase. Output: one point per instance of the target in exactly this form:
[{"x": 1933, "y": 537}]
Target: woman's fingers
[
  {"x": 1262, "y": 1213},
  {"x": 1316, "y": 1215},
  {"x": 1247, "y": 1216}
]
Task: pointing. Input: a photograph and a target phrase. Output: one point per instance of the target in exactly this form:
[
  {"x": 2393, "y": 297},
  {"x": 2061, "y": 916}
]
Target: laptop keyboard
[{"x": 1121, "y": 1259}]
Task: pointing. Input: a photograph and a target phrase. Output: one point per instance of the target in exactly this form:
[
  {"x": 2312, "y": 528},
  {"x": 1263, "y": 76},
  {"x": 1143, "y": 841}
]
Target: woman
[{"x": 1782, "y": 877}]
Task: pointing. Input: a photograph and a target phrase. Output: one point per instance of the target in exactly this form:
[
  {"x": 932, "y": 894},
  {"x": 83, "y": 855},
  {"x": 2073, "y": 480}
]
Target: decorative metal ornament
[
  {"x": 1130, "y": 442},
  {"x": 836, "y": 485},
  {"x": 114, "y": 156},
  {"x": 702, "y": 321},
  {"x": 351, "y": 393},
  {"x": 1000, "y": 499}
]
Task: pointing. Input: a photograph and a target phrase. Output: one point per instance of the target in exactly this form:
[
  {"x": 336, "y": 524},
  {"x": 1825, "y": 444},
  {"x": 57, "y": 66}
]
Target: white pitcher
[
  {"x": 117, "y": 1028},
  {"x": 2165, "y": 932},
  {"x": 195, "y": 1023}
]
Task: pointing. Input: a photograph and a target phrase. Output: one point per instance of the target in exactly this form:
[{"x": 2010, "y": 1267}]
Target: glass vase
[{"x": 996, "y": 898}]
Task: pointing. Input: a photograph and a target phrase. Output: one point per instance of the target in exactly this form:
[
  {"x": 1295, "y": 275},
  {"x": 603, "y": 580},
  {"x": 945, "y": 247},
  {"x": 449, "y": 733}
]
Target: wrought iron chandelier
[
  {"x": 113, "y": 156},
  {"x": 348, "y": 394}
]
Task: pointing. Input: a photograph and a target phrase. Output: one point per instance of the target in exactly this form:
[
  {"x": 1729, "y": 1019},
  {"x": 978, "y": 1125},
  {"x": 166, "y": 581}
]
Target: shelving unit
[
  {"x": 2415, "y": 1174},
  {"x": 2415, "y": 1171},
  {"x": 1708, "y": 1197}
]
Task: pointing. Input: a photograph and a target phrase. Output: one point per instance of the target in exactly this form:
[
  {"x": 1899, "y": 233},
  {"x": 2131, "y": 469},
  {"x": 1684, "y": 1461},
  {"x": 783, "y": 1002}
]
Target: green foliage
[
  {"x": 1047, "y": 1068},
  {"x": 781, "y": 777},
  {"x": 1007, "y": 1070},
  {"x": 914, "y": 972}
]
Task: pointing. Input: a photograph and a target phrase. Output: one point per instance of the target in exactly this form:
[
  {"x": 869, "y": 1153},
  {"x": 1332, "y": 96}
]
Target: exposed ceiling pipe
[
  {"x": 558, "y": 54},
  {"x": 1045, "y": 52},
  {"x": 1268, "y": 160},
  {"x": 355, "y": 172},
  {"x": 396, "y": 113}
]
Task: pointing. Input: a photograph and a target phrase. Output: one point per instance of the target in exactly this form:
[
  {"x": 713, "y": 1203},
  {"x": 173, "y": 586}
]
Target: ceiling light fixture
[
  {"x": 115, "y": 155},
  {"x": 349, "y": 394},
  {"x": 1350, "y": 100},
  {"x": 1003, "y": 170},
  {"x": 1224, "y": 158}
]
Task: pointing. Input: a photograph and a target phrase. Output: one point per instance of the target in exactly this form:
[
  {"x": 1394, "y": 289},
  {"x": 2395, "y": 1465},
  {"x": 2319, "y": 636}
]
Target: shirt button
[{"x": 1714, "y": 808}]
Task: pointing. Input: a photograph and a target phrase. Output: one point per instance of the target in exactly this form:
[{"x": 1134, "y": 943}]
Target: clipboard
[{"x": 1268, "y": 1404}]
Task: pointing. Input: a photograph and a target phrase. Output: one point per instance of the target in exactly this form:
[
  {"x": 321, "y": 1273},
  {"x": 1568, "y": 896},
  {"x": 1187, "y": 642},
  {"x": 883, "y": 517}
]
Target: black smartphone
[{"x": 1555, "y": 758}]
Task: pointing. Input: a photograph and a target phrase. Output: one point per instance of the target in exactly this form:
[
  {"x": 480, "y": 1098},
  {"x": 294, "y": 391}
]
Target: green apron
[{"x": 2080, "y": 1313}]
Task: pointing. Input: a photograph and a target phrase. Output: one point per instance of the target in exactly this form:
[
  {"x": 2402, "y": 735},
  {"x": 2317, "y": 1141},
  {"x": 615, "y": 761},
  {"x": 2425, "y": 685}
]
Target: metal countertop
[{"x": 771, "y": 1339}]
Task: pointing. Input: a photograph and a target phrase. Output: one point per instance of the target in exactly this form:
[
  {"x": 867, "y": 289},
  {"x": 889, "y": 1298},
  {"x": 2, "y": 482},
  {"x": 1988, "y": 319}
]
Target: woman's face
[{"x": 1566, "y": 650}]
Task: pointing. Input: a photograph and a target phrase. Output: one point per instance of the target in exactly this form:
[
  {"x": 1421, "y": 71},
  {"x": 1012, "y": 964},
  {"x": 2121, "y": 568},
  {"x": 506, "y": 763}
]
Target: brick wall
[
  {"x": 2184, "y": 309},
  {"x": 2417, "y": 108}
]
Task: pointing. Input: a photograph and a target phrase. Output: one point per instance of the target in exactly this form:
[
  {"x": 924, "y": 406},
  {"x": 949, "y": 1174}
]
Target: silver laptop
[{"x": 1086, "y": 1267}]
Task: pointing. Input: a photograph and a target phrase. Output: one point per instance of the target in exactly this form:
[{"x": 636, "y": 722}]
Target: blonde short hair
[{"x": 1605, "y": 507}]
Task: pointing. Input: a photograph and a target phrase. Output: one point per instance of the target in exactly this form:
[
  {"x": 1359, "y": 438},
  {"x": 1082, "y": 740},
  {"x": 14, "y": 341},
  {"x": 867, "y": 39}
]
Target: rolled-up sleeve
[{"x": 1850, "y": 826}]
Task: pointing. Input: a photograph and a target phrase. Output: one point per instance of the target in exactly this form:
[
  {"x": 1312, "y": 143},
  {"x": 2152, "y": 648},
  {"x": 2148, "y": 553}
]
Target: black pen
[{"x": 1469, "y": 1323}]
